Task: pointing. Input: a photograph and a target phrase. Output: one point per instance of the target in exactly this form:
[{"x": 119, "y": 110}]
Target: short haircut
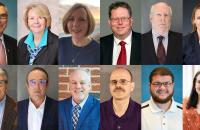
[
  {"x": 124, "y": 68},
  {"x": 1, "y": 4},
  {"x": 153, "y": 7},
  {"x": 161, "y": 71},
  {"x": 117, "y": 5},
  {"x": 194, "y": 27},
  {"x": 193, "y": 99},
  {"x": 87, "y": 71},
  {"x": 41, "y": 10},
  {"x": 90, "y": 18},
  {"x": 40, "y": 69},
  {"x": 5, "y": 73}
]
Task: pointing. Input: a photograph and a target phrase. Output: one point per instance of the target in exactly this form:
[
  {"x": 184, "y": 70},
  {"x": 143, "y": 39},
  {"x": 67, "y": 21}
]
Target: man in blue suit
[
  {"x": 39, "y": 112},
  {"x": 81, "y": 111}
]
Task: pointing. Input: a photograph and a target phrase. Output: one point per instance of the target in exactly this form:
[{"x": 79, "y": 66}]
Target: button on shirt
[
  {"x": 2, "y": 107},
  {"x": 117, "y": 49},
  {"x": 156, "y": 40},
  {"x": 35, "y": 115},
  {"x": 153, "y": 118}
]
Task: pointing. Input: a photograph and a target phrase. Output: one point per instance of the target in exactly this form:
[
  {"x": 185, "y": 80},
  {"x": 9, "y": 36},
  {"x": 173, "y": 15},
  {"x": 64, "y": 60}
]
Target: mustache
[
  {"x": 119, "y": 89},
  {"x": 161, "y": 91}
]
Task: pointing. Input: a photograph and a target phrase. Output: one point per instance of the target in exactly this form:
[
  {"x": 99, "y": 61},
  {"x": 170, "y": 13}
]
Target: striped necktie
[
  {"x": 75, "y": 115},
  {"x": 2, "y": 54}
]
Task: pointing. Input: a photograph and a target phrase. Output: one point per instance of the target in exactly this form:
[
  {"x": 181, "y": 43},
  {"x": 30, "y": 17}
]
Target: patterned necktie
[
  {"x": 75, "y": 115},
  {"x": 122, "y": 56},
  {"x": 161, "y": 55},
  {"x": 2, "y": 54}
]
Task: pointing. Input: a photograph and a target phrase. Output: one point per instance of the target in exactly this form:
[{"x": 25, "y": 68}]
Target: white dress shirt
[
  {"x": 156, "y": 40},
  {"x": 153, "y": 118},
  {"x": 3, "y": 42},
  {"x": 2, "y": 108},
  {"x": 117, "y": 49},
  {"x": 35, "y": 115},
  {"x": 81, "y": 104}
]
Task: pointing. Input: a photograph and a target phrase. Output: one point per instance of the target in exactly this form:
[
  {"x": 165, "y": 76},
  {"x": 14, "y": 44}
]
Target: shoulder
[
  {"x": 21, "y": 41},
  {"x": 137, "y": 105},
  {"x": 23, "y": 103},
  {"x": 65, "y": 101},
  {"x": 176, "y": 34},
  {"x": 145, "y": 105},
  {"x": 10, "y": 100},
  {"x": 53, "y": 101},
  {"x": 147, "y": 34},
  {"x": 136, "y": 34},
  {"x": 178, "y": 105},
  {"x": 9, "y": 38},
  {"x": 52, "y": 35},
  {"x": 106, "y": 38},
  {"x": 64, "y": 41}
]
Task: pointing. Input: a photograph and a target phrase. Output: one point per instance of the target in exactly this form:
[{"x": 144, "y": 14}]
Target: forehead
[
  {"x": 120, "y": 74},
  {"x": 2, "y": 10},
  {"x": 161, "y": 8},
  {"x": 79, "y": 75},
  {"x": 197, "y": 12},
  {"x": 198, "y": 77},
  {"x": 79, "y": 12},
  {"x": 120, "y": 11},
  {"x": 163, "y": 78},
  {"x": 37, "y": 74}
]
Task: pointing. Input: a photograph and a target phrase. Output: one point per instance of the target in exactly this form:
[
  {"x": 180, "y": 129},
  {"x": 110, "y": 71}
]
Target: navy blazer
[
  {"x": 106, "y": 49},
  {"x": 11, "y": 49},
  {"x": 48, "y": 55},
  {"x": 191, "y": 49},
  {"x": 174, "y": 49},
  {"x": 89, "y": 118},
  {"x": 50, "y": 116}
]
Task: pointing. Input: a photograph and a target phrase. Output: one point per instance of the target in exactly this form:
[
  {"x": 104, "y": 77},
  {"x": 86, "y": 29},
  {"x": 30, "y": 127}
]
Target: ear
[
  {"x": 109, "y": 22},
  {"x": 132, "y": 86}
]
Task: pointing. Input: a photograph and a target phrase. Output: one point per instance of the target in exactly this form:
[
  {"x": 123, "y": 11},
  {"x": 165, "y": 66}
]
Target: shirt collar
[
  {"x": 3, "y": 101},
  {"x": 155, "y": 34},
  {"x": 41, "y": 107},
  {"x": 30, "y": 41},
  {"x": 154, "y": 108},
  {"x": 81, "y": 104},
  {"x": 127, "y": 39}
]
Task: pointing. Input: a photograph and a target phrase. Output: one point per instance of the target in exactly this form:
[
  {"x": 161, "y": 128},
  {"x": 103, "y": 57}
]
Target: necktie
[
  {"x": 161, "y": 55},
  {"x": 122, "y": 56},
  {"x": 2, "y": 54},
  {"x": 75, "y": 115}
]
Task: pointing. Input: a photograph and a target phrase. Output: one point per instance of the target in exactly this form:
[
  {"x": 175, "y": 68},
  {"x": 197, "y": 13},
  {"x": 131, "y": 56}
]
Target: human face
[
  {"x": 3, "y": 86},
  {"x": 78, "y": 24},
  {"x": 161, "y": 88},
  {"x": 36, "y": 85},
  {"x": 36, "y": 23},
  {"x": 120, "y": 22},
  {"x": 160, "y": 18},
  {"x": 121, "y": 85},
  {"x": 3, "y": 19},
  {"x": 197, "y": 19},
  {"x": 197, "y": 85},
  {"x": 79, "y": 85}
]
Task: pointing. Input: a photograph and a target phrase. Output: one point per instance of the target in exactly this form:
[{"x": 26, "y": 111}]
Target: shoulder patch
[
  {"x": 145, "y": 106},
  {"x": 179, "y": 107}
]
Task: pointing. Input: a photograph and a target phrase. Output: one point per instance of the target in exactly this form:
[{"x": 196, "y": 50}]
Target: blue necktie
[{"x": 75, "y": 115}]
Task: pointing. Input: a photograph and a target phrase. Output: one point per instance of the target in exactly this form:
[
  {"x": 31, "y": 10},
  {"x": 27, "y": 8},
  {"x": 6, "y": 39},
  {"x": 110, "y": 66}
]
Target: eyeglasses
[
  {"x": 122, "y": 19},
  {"x": 159, "y": 84},
  {"x": 41, "y": 82},
  {"x": 3, "y": 16},
  {"x": 2, "y": 82},
  {"x": 81, "y": 83},
  {"x": 121, "y": 82}
]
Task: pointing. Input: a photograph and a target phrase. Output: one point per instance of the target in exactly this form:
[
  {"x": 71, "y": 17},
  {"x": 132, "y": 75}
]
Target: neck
[
  {"x": 80, "y": 42},
  {"x": 164, "y": 106},
  {"x": 120, "y": 106},
  {"x": 198, "y": 32},
  {"x": 37, "y": 38},
  {"x": 37, "y": 102}
]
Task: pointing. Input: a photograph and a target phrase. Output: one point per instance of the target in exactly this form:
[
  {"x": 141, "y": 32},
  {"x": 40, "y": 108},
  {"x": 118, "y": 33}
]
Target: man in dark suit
[
  {"x": 81, "y": 111},
  {"x": 8, "y": 113},
  {"x": 123, "y": 46},
  {"x": 39, "y": 112},
  {"x": 159, "y": 45},
  {"x": 8, "y": 54}
]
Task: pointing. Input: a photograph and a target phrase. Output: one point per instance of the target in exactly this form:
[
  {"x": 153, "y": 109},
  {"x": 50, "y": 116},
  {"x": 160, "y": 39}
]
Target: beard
[{"x": 159, "y": 100}]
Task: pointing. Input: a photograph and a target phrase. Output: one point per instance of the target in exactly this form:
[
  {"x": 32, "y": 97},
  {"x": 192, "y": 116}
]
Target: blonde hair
[
  {"x": 91, "y": 21},
  {"x": 42, "y": 10},
  {"x": 194, "y": 27}
]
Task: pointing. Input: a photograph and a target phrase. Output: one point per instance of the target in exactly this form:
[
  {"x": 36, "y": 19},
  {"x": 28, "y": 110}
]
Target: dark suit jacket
[
  {"x": 191, "y": 49},
  {"x": 11, "y": 49},
  {"x": 47, "y": 56},
  {"x": 174, "y": 49},
  {"x": 50, "y": 116},
  {"x": 89, "y": 118},
  {"x": 106, "y": 49},
  {"x": 10, "y": 115}
]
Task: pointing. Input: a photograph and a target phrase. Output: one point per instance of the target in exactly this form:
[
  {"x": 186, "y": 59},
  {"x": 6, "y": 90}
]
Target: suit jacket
[
  {"x": 106, "y": 49},
  {"x": 47, "y": 56},
  {"x": 191, "y": 49},
  {"x": 174, "y": 49},
  {"x": 89, "y": 118},
  {"x": 11, "y": 49},
  {"x": 10, "y": 115},
  {"x": 50, "y": 116}
]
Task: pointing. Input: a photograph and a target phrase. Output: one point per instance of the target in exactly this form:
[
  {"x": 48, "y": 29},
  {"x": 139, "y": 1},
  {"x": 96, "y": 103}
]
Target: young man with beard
[
  {"x": 120, "y": 112},
  {"x": 161, "y": 112}
]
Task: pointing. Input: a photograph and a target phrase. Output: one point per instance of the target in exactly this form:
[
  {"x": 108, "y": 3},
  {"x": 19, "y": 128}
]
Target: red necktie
[
  {"x": 161, "y": 55},
  {"x": 122, "y": 56},
  {"x": 2, "y": 54}
]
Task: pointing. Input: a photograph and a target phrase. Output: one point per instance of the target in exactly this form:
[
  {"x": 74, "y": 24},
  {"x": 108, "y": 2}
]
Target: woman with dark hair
[{"x": 191, "y": 106}]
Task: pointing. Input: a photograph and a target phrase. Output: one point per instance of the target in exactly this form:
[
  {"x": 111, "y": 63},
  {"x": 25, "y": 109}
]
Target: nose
[
  {"x": 120, "y": 21},
  {"x": 78, "y": 85},
  {"x": 76, "y": 23}
]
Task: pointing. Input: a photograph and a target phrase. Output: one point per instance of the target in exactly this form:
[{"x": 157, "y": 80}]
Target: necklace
[{"x": 77, "y": 53}]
